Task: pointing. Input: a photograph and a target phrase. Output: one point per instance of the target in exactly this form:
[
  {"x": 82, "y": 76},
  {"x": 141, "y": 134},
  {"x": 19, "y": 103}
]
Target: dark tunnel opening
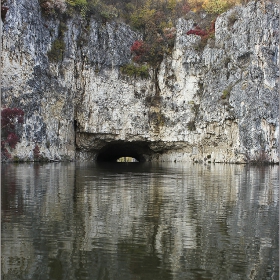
[{"x": 113, "y": 151}]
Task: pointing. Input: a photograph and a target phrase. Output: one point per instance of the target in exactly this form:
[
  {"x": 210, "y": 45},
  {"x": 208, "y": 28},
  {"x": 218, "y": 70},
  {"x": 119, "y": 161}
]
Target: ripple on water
[{"x": 140, "y": 221}]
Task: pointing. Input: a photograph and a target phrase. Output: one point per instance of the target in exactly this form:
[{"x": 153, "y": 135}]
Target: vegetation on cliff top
[
  {"x": 155, "y": 19},
  {"x": 133, "y": 10}
]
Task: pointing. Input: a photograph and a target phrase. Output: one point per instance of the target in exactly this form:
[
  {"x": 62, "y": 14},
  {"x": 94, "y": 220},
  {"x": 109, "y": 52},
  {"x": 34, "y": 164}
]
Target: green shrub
[
  {"x": 81, "y": 5},
  {"x": 191, "y": 125},
  {"x": 17, "y": 159},
  {"x": 226, "y": 92},
  {"x": 141, "y": 18},
  {"x": 143, "y": 71},
  {"x": 101, "y": 10},
  {"x": 62, "y": 29},
  {"x": 75, "y": 3},
  {"x": 108, "y": 12},
  {"x": 55, "y": 54},
  {"x": 217, "y": 6},
  {"x": 133, "y": 70}
]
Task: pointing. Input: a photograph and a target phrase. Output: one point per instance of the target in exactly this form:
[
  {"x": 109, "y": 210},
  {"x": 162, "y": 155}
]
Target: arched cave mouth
[{"x": 116, "y": 150}]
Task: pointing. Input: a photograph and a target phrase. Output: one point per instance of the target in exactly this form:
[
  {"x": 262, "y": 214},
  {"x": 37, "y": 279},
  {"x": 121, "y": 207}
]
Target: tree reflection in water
[{"x": 139, "y": 221}]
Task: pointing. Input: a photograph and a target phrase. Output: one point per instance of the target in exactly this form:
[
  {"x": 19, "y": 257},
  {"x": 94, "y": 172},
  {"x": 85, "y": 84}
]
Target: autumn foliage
[
  {"x": 140, "y": 51},
  {"x": 49, "y": 6},
  {"x": 204, "y": 34},
  {"x": 136, "y": 12},
  {"x": 36, "y": 152},
  {"x": 11, "y": 119},
  {"x": 155, "y": 19},
  {"x": 197, "y": 32},
  {"x": 138, "y": 47}
]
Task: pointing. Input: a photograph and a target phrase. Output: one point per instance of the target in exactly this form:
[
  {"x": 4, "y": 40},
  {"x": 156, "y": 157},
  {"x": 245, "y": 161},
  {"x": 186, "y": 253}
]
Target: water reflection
[{"x": 139, "y": 221}]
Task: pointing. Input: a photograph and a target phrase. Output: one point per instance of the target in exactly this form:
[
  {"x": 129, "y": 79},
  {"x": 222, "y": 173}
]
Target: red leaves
[
  {"x": 138, "y": 48},
  {"x": 152, "y": 51},
  {"x": 5, "y": 154},
  {"x": 141, "y": 51},
  {"x": 198, "y": 32},
  {"x": 137, "y": 58},
  {"x": 36, "y": 151},
  {"x": 12, "y": 140},
  {"x": 204, "y": 34},
  {"x": 10, "y": 117}
]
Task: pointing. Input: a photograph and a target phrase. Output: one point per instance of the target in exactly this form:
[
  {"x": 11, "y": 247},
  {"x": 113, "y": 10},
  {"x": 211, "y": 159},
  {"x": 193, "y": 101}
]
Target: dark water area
[{"x": 139, "y": 221}]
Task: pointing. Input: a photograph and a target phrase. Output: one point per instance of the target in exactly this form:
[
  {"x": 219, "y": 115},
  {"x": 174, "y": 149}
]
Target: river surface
[{"x": 139, "y": 221}]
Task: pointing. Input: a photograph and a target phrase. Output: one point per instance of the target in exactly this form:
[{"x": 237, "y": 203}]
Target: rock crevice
[{"x": 219, "y": 103}]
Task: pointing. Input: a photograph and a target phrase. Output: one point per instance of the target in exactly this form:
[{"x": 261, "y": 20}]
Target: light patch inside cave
[
  {"x": 118, "y": 151},
  {"x": 127, "y": 159}
]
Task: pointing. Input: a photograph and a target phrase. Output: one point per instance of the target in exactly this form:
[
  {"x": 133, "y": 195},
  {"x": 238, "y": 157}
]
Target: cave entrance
[{"x": 124, "y": 152}]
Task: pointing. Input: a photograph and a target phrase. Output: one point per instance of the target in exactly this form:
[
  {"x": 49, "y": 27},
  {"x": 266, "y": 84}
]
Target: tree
[{"x": 217, "y": 6}]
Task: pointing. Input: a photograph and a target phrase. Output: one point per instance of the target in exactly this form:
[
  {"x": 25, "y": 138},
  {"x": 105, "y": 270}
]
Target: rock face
[{"x": 215, "y": 103}]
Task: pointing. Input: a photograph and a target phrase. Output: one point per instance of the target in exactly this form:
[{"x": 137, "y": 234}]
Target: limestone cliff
[{"x": 218, "y": 103}]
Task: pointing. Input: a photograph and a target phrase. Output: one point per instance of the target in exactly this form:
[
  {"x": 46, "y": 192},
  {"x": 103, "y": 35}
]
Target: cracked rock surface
[{"x": 215, "y": 104}]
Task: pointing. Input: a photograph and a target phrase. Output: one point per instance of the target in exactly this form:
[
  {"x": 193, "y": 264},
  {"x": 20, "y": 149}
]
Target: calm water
[{"x": 139, "y": 221}]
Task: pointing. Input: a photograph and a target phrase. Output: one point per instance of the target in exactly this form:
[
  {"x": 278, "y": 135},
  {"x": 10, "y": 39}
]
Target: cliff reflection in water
[{"x": 139, "y": 221}]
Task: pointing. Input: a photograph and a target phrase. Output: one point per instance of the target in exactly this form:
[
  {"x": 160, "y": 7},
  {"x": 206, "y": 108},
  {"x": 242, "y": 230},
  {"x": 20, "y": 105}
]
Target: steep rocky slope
[{"x": 218, "y": 103}]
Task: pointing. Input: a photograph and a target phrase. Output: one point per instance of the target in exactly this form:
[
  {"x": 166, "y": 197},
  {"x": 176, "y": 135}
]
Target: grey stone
[{"x": 221, "y": 101}]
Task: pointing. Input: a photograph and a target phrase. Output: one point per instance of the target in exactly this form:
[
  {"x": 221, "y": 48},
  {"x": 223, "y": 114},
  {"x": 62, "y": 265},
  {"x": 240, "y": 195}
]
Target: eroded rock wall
[
  {"x": 230, "y": 86},
  {"x": 217, "y": 103}
]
